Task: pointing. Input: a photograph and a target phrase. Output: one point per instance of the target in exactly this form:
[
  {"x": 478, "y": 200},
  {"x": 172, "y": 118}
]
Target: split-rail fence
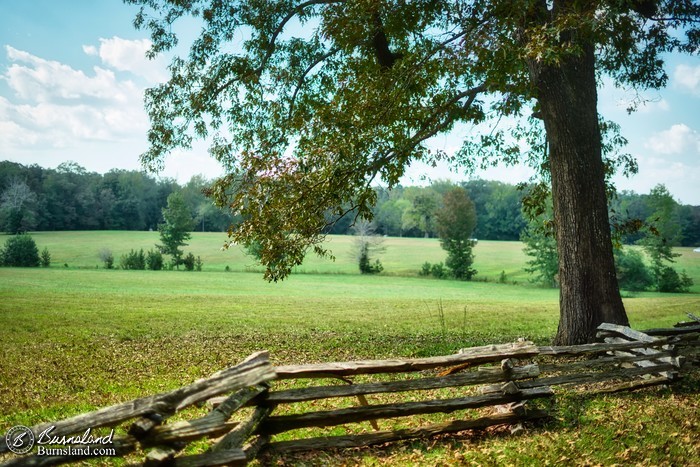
[{"x": 500, "y": 378}]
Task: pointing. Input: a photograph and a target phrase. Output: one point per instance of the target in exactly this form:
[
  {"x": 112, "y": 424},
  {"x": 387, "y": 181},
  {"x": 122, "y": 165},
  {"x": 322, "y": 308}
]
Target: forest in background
[{"x": 71, "y": 198}]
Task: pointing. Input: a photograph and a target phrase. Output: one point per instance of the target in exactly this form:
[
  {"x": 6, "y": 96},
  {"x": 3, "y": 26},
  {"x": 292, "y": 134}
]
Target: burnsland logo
[{"x": 20, "y": 440}]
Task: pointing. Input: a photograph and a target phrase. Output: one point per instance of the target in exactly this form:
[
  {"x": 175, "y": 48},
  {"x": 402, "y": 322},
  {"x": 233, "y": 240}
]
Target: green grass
[
  {"x": 403, "y": 256},
  {"x": 78, "y": 338}
]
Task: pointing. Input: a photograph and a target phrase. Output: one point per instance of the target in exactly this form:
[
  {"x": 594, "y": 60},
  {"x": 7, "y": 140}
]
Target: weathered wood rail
[{"x": 500, "y": 377}]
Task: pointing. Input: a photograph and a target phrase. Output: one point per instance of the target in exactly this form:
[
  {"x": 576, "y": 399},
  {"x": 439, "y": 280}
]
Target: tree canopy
[
  {"x": 308, "y": 103},
  {"x": 71, "y": 198}
]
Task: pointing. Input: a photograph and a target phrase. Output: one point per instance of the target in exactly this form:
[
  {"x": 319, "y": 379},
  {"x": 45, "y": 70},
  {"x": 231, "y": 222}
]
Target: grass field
[
  {"x": 402, "y": 256},
  {"x": 82, "y": 337}
]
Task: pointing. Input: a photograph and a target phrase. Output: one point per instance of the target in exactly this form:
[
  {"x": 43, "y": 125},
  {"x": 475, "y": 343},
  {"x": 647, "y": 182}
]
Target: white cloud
[
  {"x": 130, "y": 55},
  {"x": 688, "y": 77},
  {"x": 13, "y": 133},
  {"x": 678, "y": 139},
  {"x": 682, "y": 178},
  {"x": 53, "y": 112},
  {"x": 56, "y": 106},
  {"x": 90, "y": 50},
  {"x": 36, "y": 79}
]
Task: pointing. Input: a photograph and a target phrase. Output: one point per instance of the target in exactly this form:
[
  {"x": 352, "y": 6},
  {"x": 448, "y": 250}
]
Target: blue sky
[{"x": 73, "y": 72}]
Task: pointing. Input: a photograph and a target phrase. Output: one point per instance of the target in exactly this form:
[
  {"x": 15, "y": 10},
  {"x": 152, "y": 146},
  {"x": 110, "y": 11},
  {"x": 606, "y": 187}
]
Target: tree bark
[{"x": 589, "y": 293}]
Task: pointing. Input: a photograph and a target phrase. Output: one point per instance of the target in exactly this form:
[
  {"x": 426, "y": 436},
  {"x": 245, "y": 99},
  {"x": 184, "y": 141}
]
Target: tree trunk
[{"x": 589, "y": 293}]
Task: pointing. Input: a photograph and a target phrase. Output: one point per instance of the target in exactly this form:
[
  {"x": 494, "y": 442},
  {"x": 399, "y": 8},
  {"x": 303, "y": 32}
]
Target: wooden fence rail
[{"x": 497, "y": 376}]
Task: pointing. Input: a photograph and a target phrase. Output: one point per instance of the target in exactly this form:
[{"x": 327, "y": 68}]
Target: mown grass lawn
[
  {"x": 78, "y": 338},
  {"x": 402, "y": 256}
]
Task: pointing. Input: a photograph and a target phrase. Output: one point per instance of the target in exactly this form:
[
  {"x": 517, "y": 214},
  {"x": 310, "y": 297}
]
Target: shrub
[
  {"x": 154, "y": 260},
  {"x": 188, "y": 261},
  {"x": 133, "y": 260},
  {"x": 672, "y": 282},
  {"x": 376, "y": 267},
  {"x": 45, "y": 258},
  {"x": 20, "y": 251},
  {"x": 198, "y": 263},
  {"x": 366, "y": 266},
  {"x": 107, "y": 257},
  {"x": 632, "y": 273},
  {"x": 425, "y": 269},
  {"x": 439, "y": 271}
]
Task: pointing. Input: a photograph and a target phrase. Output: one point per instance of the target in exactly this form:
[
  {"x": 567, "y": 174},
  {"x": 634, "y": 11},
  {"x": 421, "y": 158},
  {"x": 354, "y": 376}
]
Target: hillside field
[
  {"x": 402, "y": 256},
  {"x": 80, "y": 337}
]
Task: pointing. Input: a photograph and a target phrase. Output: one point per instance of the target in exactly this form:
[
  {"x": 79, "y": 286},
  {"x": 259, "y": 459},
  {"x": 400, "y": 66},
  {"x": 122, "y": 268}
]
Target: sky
[{"x": 73, "y": 73}]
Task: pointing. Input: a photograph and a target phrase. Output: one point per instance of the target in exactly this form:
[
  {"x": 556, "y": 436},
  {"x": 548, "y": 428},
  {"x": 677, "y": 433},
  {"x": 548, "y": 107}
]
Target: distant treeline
[
  {"x": 410, "y": 211},
  {"x": 71, "y": 198}
]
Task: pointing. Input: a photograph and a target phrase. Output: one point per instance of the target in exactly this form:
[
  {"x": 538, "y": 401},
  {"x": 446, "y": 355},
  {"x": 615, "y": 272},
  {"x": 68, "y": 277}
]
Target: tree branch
[
  {"x": 303, "y": 76},
  {"x": 271, "y": 43},
  {"x": 280, "y": 27},
  {"x": 425, "y": 131}
]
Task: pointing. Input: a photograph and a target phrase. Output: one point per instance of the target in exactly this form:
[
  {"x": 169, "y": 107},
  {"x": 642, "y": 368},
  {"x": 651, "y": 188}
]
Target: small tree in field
[
  {"x": 189, "y": 261},
  {"x": 455, "y": 223},
  {"x": 541, "y": 246},
  {"x": 45, "y": 258},
  {"x": 175, "y": 229},
  {"x": 133, "y": 260},
  {"x": 365, "y": 245},
  {"x": 20, "y": 251},
  {"x": 664, "y": 231},
  {"x": 107, "y": 258},
  {"x": 539, "y": 236}
]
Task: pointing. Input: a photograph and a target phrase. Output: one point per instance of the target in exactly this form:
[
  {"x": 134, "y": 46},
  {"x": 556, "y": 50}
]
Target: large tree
[{"x": 310, "y": 102}]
